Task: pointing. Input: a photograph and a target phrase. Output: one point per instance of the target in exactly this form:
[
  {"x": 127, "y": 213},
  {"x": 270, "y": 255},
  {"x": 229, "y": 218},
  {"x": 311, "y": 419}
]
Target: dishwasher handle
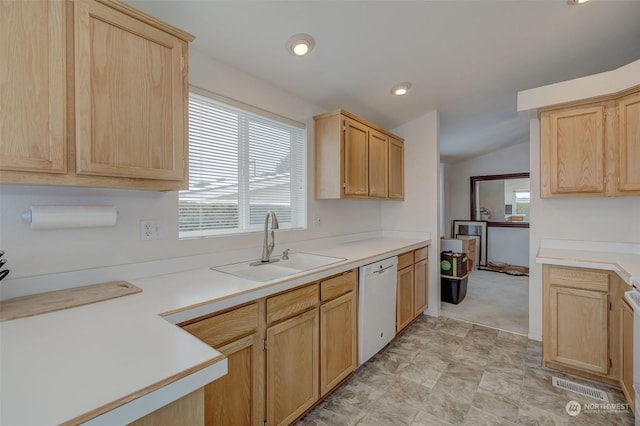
[{"x": 380, "y": 271}]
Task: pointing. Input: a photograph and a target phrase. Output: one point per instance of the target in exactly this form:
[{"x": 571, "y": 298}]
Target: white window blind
[{"x": 241, "y": 165}]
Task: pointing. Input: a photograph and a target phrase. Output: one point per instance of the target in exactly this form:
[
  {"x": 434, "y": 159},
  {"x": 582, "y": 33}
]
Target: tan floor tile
[
  {"x": 501, "y": 384},
  {"x": 450, "y": 409},
  {"x": 497, "y": 405},
  {"x": 513, "y": 337},
  {"x": 457, "y": 388},
  {"x": 389, "y": 412},
  {"x": 423, "y": 376},
  {"x": 424, "y": 418},
  {"x": 477, "y": 417},
  {"x": 532, "y": 416},
  {"x": 431, "y": 375}
]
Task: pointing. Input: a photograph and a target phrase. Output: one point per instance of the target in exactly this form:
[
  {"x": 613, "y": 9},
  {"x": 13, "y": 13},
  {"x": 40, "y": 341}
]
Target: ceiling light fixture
[
  {"x": 576, "y": 2},
  {"x": 401, "y": 88},
  {"x": 300, "y": 44}
]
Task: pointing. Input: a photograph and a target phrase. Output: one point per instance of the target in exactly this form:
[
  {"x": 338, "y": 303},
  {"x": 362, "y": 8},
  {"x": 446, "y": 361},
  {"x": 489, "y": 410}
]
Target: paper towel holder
[{"x": 70, "y": 216}]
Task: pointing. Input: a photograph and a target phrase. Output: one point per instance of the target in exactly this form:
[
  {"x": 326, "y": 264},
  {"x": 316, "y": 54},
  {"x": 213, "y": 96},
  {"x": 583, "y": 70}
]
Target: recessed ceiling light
[
  {"x": 401, "y": 88},
  {"x": 576, "y": 2},
  {"x": 300, "y": 44}
]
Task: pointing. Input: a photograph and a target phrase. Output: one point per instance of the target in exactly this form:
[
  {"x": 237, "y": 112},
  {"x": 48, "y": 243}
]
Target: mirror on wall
[{"x": 501, "y": 200}]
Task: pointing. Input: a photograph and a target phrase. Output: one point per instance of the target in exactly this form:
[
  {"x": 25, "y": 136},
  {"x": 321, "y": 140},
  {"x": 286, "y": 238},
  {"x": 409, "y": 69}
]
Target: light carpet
[{"x": 495, "y": 300}]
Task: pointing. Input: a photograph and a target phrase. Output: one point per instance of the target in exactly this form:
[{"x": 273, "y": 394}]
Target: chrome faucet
[{"x": 267, "y": 247}]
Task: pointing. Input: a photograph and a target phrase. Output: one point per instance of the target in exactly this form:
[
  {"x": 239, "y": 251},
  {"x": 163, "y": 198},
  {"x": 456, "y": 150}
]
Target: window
[{"x": 243, "y": 162}]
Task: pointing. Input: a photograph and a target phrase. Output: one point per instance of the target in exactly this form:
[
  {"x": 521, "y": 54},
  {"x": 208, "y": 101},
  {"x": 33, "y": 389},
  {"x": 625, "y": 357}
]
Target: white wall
[
  {"x": 420, "y": 211},
  {"x": 509, "y": 245},
  {"x": 31, "y": 253},
  {"x": 615, "y": 219}
]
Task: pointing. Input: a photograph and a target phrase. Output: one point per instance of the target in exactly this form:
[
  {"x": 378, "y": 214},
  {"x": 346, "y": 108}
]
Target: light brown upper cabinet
[
  {"x": 114, "y": 109},
  {"x": 629, "y": 144},
  {"x": 378, "y": 164},
  {"x": 591, "y": 149},
  {"x": 356, "y": 159},
  {"x": 33, "y": 86},
  {"x": 396, "y": 169}
]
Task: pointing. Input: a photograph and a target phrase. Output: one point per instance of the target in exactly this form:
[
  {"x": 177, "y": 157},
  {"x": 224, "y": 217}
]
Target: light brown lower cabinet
[
  {"x": 237, "y": 398},
  {"x": 404, "y": 295},
  {"x": 583, "y": 323},
  {"x": 412, "y": 288},
  {"x": 626, "y": 353},
  {"x": 420, "y": 281},
  {"x": 188, "y": 410},
  {"x": 338, "y": 331},
  {"x": 284, "y": 352},
  {"x": 579, "y": 343},
  {"x": 292, "y": 367}
]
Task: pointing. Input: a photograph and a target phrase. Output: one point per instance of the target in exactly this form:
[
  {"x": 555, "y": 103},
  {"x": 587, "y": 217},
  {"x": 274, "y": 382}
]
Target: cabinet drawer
[
  {"x": 420, "y": 254},
  {"x": 579, "y": 278},
  {"x": 225, "y": 327},
  {"x": 288, "y": 304},
  {"x": 337, "y": 286},
  {"x": 405, "y": 260}
]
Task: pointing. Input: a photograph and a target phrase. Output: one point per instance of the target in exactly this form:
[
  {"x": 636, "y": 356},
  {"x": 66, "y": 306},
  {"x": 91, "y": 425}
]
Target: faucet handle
[{"x": 285, "y": 254}]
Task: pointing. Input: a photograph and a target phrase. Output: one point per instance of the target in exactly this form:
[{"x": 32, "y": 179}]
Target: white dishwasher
[{"x": 376, "y": 307}]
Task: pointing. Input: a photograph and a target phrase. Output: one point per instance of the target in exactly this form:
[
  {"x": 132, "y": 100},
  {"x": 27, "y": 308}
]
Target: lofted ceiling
[{"x": 467, "y": 59}]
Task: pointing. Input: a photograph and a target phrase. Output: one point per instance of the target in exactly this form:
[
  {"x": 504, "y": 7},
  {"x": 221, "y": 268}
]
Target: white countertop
[
  {"x": 100, "y": 360},
  {"x": 623, "y": 259}
]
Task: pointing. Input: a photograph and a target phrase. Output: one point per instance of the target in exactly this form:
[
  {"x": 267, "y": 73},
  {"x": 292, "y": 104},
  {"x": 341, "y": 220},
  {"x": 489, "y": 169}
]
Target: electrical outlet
[
  {"x": 150, "y": 230},
  {"x": 316, "y": 220}
]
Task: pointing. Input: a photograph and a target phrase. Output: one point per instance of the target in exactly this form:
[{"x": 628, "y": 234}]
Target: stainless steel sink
[{"x": 277, "y": 267}]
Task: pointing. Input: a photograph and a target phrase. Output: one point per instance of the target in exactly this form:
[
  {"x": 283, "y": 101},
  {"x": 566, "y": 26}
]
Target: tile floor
[{"x": 447, "y": 372}]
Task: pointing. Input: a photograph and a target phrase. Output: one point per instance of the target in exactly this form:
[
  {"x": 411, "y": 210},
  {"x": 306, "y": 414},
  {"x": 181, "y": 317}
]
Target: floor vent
[{"x": 581, "y": 389}]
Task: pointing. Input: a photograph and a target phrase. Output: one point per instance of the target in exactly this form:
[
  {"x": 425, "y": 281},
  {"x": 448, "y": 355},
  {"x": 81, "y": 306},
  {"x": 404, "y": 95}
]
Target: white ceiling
[{"x": 468, "y": 59}]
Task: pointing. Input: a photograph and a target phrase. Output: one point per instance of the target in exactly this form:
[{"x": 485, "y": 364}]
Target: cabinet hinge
[
  {"x": 610, "y": 306},
  {"x": 264, "y": 348},
  {"x": 610, "y": 363},
  {"x": 182, "y": 62}
]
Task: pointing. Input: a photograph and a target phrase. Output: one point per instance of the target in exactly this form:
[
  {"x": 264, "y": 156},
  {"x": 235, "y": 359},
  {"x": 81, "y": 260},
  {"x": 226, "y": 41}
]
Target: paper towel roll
[{"x": 57, "y": 217}]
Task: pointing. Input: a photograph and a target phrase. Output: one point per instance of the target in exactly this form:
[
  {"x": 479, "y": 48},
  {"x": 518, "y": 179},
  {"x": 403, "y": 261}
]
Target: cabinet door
[
  {"x": 238, "y": 397},
  {"x": 338, "y": 341},
  {"x": 572, "y": 151},
  {"x": 378, "y": 164},
  {"x": 404, "y": 306},
  {"x": 626, "y": 353},
  {"x": 421, "y": 288},
  {"x": 356, "y": 158},
  {"x": 629, "y": 144},
  {"x": 579, "y": 328},
  {"x": 32, "y": 86},
  {"x": 292, "y": 367},
  {"x": 188, "y": 410},
  {"x": 130, "y": 96},
  {"x": 396, "y": 169}
]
